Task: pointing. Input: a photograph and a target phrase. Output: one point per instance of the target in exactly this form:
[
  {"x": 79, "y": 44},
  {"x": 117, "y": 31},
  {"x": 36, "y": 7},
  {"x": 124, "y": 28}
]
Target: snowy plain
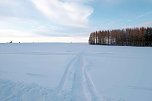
[{"x": 74, "y": 72}]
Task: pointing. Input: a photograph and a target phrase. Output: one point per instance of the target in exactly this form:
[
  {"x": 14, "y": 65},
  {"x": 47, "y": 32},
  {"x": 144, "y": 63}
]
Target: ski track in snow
[{"x": 76, "y": 84}]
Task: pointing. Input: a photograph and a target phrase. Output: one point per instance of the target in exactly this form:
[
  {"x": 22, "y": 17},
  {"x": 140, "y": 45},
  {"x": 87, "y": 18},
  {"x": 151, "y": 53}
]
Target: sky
[{"x": 68, "y": 20}]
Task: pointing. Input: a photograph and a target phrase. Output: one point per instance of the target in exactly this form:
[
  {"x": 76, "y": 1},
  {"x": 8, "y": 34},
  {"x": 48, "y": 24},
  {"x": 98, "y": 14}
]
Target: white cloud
[
  {"x": 64, "y": 12},
  {"x": 20, "y": 36},
  {"x": 25, "y": 20},
  {"x": 10, "y": 2},
  {"x": 15, "y": 33}
]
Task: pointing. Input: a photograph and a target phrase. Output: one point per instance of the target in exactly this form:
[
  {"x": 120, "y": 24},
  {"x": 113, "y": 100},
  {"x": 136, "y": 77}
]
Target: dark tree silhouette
[{"x": 125, "y": 37}]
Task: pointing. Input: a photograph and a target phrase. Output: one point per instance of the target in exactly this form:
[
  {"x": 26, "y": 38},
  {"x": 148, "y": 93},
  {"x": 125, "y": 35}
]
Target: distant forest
[{"x": 125, "y": 37}]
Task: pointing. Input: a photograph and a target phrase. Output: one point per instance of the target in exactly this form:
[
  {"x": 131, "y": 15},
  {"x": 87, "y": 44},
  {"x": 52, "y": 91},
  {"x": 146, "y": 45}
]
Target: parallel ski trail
[
  {"x": 76, "y": 84},
  {"x": 66, "y": 75}
]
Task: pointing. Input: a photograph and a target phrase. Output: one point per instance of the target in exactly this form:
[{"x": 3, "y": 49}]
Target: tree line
[{"x": 126, "y": 37}]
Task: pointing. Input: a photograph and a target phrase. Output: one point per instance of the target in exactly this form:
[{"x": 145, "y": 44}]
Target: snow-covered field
[{"x": 74, "y": 72}]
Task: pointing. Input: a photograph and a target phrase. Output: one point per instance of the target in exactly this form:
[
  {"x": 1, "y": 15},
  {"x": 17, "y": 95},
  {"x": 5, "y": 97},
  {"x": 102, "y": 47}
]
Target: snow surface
[{"x": 74, "y": 72}]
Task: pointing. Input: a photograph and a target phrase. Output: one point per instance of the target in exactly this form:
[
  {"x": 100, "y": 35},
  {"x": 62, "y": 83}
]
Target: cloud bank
[
  {"x": 65, "y": 12},
  {"x": 44, "y": 18}
]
